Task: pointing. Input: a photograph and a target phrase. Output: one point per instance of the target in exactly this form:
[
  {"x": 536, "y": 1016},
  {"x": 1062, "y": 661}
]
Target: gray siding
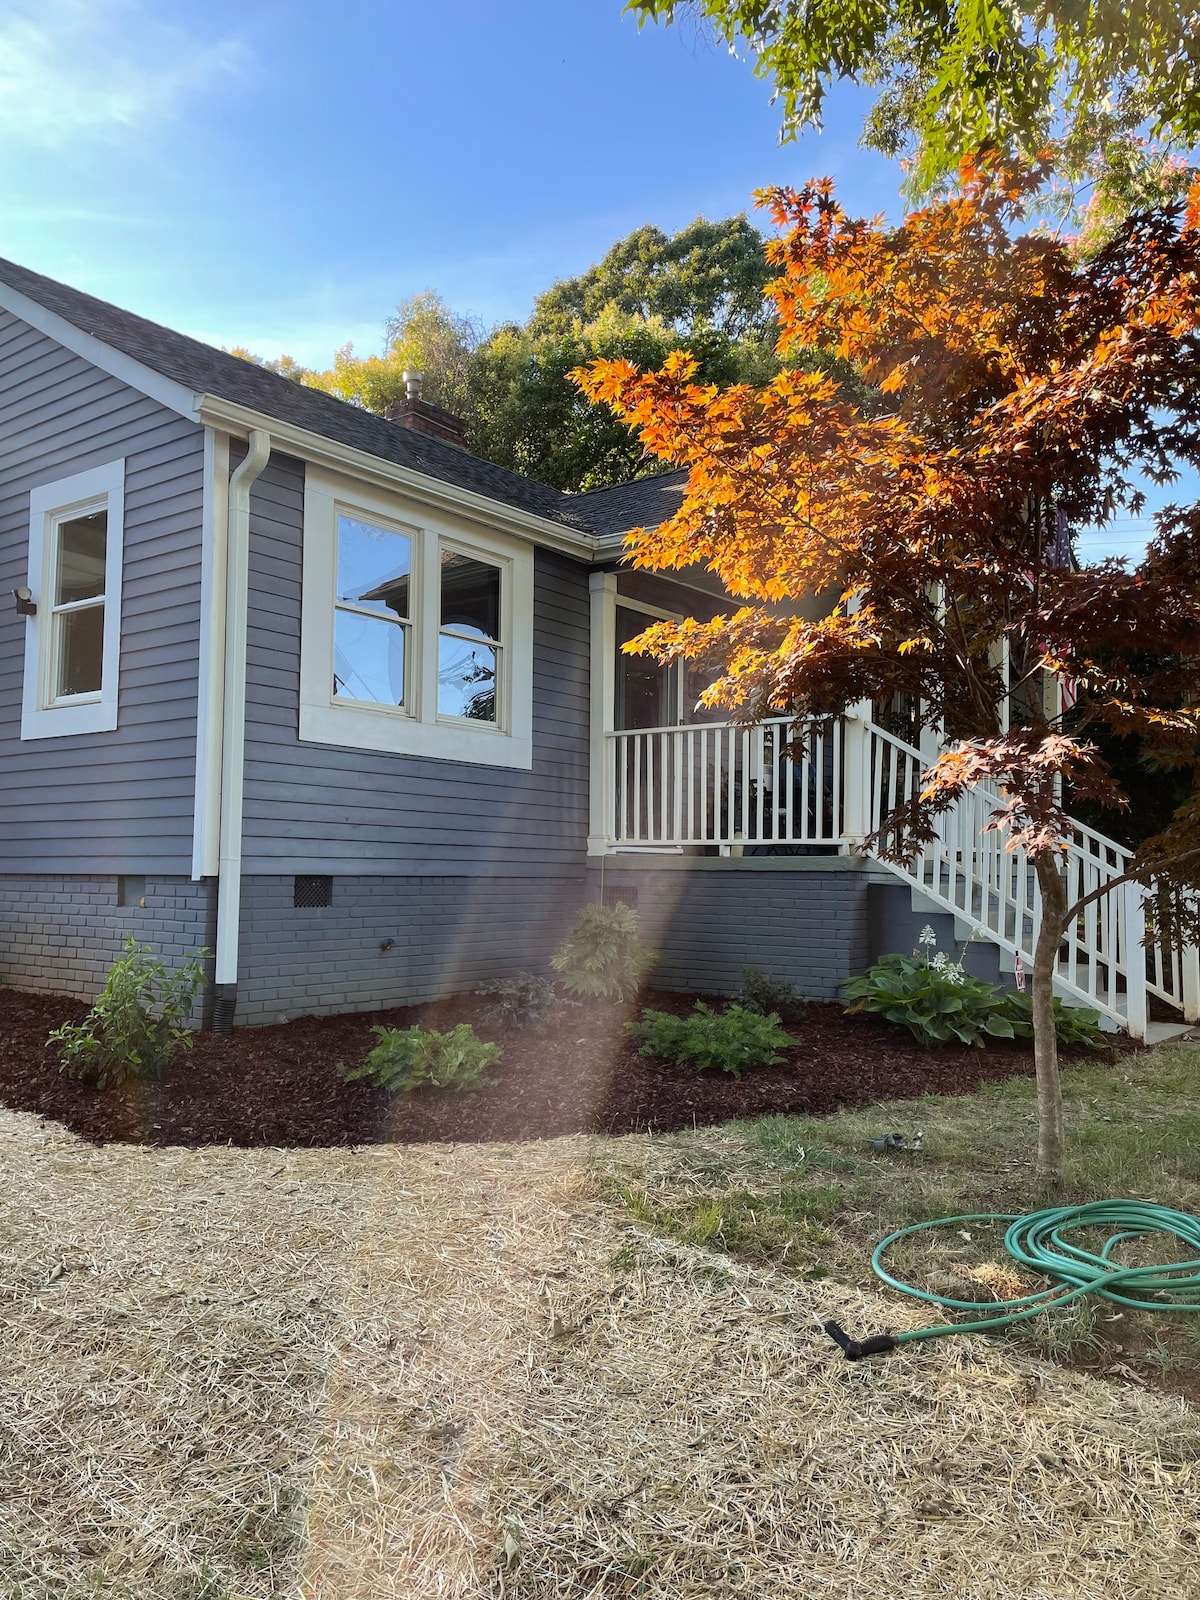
[
  {"x": 323, "y": 808},
  {"x": 121, "y": 801}
]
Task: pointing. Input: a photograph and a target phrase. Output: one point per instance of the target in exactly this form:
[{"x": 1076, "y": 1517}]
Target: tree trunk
[{"x": 1051, "y": 1152}]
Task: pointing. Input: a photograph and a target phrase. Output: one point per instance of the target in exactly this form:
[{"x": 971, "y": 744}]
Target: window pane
[
  {"x": 466, "y": 679},
  {"x": 368, "y": 659},
  {"x": 81, "y": 548},
  {"x": 374, "y": 567},
  {"x": 80, "y": 665},
  {"x": 470, "y": 595}
]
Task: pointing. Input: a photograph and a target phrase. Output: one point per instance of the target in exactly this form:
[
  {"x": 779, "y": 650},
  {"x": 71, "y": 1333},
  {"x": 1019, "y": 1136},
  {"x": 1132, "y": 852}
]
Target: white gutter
[
  {"x": 233, "y": 731},
  {"x": 335, "y": 457}
]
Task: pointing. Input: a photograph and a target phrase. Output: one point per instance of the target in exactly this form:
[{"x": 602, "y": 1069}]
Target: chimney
[{"x": 413, "y": 412}]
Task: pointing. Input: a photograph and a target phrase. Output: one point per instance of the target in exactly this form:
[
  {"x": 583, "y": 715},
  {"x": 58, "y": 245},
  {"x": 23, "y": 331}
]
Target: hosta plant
[
  {"x": 1072, "y": 1024},
  {"x": 934, "y": 999}
]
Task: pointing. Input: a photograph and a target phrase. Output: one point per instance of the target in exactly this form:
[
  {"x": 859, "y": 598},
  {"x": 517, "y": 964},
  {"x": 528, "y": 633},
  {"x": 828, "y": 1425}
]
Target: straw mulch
[{"x": 451, "y": 1371}]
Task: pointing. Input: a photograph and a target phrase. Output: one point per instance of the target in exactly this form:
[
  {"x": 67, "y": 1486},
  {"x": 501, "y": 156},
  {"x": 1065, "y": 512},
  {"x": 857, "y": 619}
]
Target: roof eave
[
  {"x": 237, "y": 420},
  {"x": 177, "y": 397}
]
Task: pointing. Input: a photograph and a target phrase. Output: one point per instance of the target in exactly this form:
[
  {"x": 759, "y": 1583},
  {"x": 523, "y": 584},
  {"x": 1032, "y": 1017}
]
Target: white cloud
[{"x": 100, "y": 69}]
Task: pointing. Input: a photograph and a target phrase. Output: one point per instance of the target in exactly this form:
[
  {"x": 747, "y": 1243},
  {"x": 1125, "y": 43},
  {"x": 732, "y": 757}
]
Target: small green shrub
[
  {"x": 935, "y": 1000},
  {"x": 413, "y": 1058},
  {"x": 523, "y": 1000},
  {"x": 764, "y": 994},
  {"x": 728, "y": 1041},
  {"x": 602, "y": 958},
  {"x": 135, "y": 1026},
  {"x": 1072, "y": 1024}
]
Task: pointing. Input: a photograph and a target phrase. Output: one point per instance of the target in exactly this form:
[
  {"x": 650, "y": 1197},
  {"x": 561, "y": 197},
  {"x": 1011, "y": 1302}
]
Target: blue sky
[{"x": 279, "y": 175}]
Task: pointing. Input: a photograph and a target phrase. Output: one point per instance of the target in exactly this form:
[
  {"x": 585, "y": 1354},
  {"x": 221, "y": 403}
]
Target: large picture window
[
  {"x": 72, "y": 645},
  {"x": 416, "y": 635}
]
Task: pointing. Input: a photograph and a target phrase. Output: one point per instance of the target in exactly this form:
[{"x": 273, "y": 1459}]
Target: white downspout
[{"x": 233, "y": 734}]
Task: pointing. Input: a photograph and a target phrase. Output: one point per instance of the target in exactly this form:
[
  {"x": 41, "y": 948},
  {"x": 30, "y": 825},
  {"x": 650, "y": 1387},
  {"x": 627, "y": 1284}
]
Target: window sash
[{"x": 56, "y": 695}]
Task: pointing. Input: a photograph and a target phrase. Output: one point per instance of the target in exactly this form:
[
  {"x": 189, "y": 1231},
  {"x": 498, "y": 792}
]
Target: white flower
[{"x": 927, "y": 936}]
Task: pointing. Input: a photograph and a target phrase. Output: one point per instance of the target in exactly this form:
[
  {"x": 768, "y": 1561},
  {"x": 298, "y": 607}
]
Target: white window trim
[
  {"x": 417, "y": 730},
  {"x": 47, "y": 504}
]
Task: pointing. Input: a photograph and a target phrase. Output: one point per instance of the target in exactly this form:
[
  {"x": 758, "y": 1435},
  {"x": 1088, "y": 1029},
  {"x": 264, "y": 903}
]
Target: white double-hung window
[
  {"x": 73, "y": 633},
  {"x": 417, "y": 631}
]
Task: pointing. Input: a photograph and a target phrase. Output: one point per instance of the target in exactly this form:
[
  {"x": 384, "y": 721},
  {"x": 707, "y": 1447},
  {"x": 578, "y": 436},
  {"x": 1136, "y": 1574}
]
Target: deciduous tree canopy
[{"x": 966, "y": 74}]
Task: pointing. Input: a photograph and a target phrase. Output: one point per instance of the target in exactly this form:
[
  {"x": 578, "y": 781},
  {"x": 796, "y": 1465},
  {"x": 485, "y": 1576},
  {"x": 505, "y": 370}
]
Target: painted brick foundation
[
  {"x": 449, "y": 934},
  {"x": 804, "y": 919},
  {"x": 61, "y": 935}
]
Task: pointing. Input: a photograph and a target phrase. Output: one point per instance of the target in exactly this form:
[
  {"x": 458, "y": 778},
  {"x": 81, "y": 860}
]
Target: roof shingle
[{"x": 206, "y": 370}]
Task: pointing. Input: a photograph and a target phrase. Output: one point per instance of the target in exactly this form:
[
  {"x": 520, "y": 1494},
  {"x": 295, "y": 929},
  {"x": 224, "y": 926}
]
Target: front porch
[{"x": 667, "y": 784}]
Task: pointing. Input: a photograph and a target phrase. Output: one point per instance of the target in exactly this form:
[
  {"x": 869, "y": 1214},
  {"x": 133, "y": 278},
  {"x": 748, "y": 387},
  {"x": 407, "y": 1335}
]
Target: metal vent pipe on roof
[{"x": 412, "y": 384}]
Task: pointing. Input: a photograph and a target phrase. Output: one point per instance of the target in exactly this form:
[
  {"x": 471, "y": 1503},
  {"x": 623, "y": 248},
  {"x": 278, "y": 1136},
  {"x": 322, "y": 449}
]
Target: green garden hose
[{"x": 1038, "y": 1241}]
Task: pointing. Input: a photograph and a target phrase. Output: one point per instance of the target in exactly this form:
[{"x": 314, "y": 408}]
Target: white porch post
[
  {"x": 1189, "y": 965},
  {"x": 1133, "y": 918},
  {"x": 603, "y": 709},
  {"x": 856, "y": 773}
]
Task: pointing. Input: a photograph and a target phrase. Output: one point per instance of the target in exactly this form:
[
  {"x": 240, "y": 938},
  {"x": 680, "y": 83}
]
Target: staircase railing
[{"x": 968, "y": 869}]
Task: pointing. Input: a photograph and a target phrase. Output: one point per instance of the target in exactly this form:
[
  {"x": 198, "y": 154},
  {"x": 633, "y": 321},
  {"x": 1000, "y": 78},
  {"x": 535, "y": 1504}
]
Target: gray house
[{"x": 325, "y": 693}]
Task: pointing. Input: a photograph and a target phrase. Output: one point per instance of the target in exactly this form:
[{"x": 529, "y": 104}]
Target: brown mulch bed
[{"x": 578, "y": 1073}]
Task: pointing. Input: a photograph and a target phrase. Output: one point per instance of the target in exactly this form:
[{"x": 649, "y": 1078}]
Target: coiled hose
[{"x": 1039, "y": 1242}]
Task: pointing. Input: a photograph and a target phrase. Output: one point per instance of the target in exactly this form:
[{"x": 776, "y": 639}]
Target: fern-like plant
[
  {"x": 602, "y": 958},
  {"x": 726, "y": 1041},
  {"x": 415, "y": 1058}
]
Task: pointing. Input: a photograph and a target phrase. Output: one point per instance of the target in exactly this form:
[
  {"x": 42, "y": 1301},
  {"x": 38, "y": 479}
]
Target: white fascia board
[
  {"x": 328, "y": 453},
  {"x": 175, "y": 396}
]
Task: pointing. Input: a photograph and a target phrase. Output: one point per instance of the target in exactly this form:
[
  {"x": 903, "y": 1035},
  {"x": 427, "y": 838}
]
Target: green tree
[
  {"x": 708, "y": 276},
  {"x": 422, "y": 335},
  {"x": 527, "y": 414},
  {"x": 958, "y": 75}
]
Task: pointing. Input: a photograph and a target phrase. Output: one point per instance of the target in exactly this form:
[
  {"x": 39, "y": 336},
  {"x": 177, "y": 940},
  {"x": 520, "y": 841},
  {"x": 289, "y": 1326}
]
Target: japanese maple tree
[{"x": 1027, "y": 391}]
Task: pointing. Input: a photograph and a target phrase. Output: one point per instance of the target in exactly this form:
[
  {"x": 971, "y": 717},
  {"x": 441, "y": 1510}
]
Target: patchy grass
[
  {"x": 812, "y": 1196},
  {"x": 541, "y": 1371}
]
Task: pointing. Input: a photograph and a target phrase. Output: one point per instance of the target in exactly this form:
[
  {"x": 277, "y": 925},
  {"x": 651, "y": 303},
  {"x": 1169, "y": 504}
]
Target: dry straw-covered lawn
[{"x": 461, "y": 1371}]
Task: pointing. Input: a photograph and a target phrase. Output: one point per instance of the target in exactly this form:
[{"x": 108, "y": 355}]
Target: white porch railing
[
  {"x": 1104, "y": 960},
  {"x": 742, "y": 789},
  {"x": 717, "y": 784}
]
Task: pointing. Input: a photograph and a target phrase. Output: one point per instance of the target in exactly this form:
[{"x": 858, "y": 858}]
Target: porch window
[
  {"x": 72, "y": 642},
  {"x": 417, "y": 635}
]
